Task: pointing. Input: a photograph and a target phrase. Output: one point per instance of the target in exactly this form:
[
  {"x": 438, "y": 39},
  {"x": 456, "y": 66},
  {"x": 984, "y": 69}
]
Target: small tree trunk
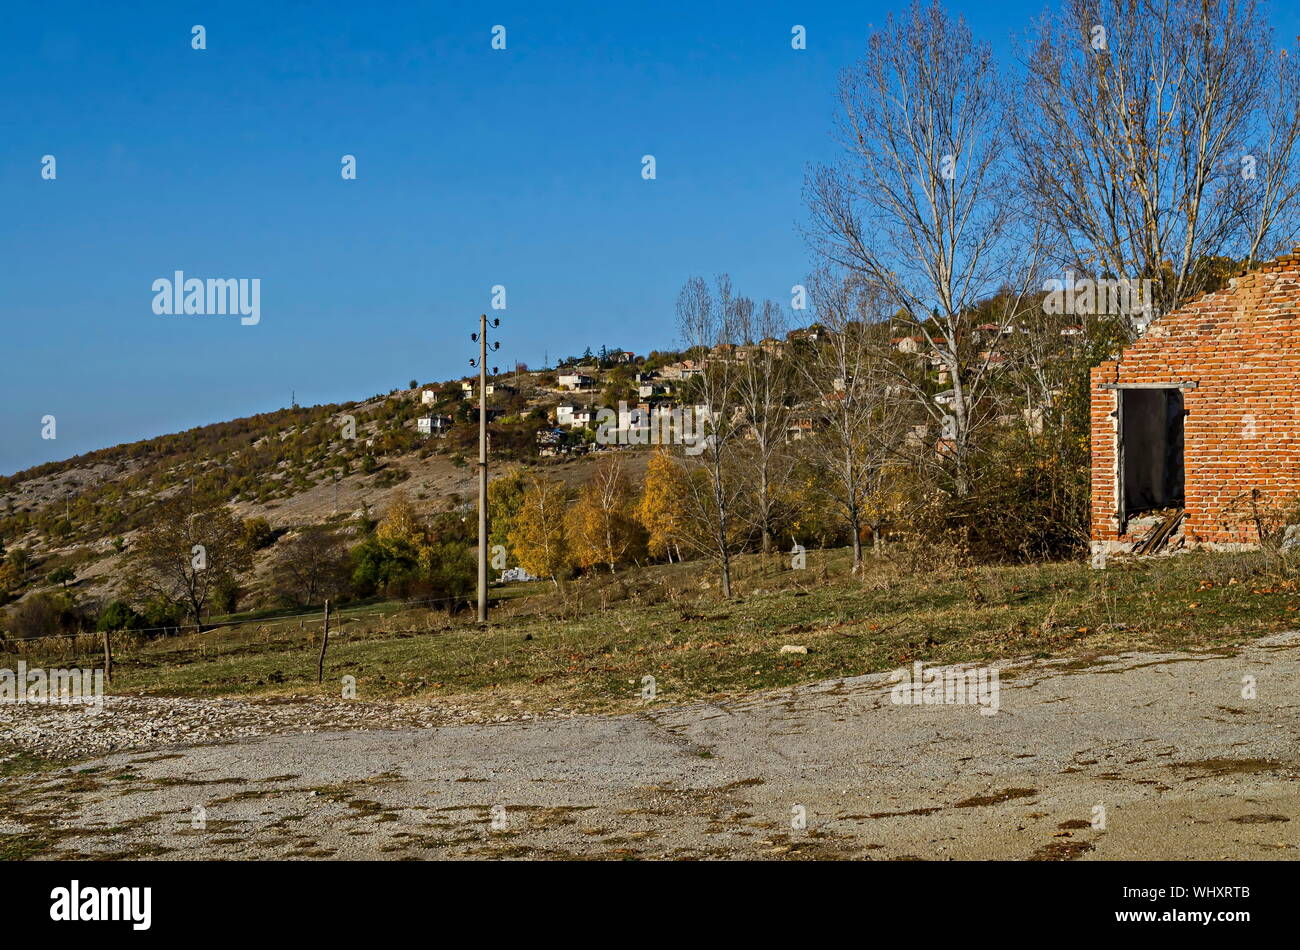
[{"x": 856, "y": 527}]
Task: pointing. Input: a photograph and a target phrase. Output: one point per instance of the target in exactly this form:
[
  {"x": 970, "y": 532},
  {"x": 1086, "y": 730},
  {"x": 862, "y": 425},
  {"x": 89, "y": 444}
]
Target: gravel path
[
  {"x": 126, "y": 723},
  {"x": 1136, "y": 756}
]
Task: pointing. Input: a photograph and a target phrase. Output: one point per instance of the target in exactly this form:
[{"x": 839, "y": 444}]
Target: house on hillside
[
  {"x": 471, "y": 388},
  {"x": 1196, "y": 425},
  {"x": 433, "y": 425},
  {"x": 683, "y": 370},
  {"x": 575, "y": 381},
  {"x": 809, "y": 334},
  {"x": 650, "y": 388},
  {"x": 568, "y": 414}
]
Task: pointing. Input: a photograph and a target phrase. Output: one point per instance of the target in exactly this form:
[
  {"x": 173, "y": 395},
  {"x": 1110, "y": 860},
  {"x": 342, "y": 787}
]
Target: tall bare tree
[
  {"x": 860, "y": 424},
  {"x": 763, "y": 390},
  {"x": 1159, "y": 135},
  {"x": 924, "y": 203},
  {"x": 709, "y": 325}
]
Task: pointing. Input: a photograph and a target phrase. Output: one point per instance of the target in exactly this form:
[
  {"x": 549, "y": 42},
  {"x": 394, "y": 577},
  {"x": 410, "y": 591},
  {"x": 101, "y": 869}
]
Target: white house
[
  {"x": 430, "y": 425},
  {"x": 570, "y": 415},
  {"x": 574, "y": 381}
]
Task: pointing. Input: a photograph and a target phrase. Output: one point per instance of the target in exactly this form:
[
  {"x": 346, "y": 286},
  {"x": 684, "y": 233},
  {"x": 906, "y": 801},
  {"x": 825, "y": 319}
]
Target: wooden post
[
  {"x": 324, "y": 642},
  {"x": 108, "y": 658}
]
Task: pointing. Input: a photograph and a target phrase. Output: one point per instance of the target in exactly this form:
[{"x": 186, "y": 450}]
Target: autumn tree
[
  {"x": 407, "y": 556},
  {"x": 539, "y": 540},
  {"x": 185, "y": 551},
  {"x": 662, "y": 506},
  {"x": 601, "y": 526}
]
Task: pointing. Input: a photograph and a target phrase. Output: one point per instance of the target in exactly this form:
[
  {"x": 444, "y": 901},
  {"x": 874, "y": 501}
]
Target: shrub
[{"x": 119, "y": 615}]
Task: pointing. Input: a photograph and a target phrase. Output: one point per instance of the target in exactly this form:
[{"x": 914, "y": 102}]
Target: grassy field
[{"x": 587, "y": 647}]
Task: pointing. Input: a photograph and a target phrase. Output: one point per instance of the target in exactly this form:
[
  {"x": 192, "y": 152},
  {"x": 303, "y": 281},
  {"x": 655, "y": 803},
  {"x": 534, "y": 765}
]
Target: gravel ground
[
  {"x": 1136, "y": 756},
  {"x": 129, "y": 723}
]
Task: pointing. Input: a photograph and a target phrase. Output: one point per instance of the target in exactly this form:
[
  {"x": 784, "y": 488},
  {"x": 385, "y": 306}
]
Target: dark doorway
[{"x": 1151, "y": 421}]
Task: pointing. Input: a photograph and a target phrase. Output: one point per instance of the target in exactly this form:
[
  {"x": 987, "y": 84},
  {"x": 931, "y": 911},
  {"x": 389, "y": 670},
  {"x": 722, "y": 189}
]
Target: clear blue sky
[{"x": 475, "y": 167}]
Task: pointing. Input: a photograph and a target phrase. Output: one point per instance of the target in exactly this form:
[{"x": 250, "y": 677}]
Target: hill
[{"x": 294, "y": 467}]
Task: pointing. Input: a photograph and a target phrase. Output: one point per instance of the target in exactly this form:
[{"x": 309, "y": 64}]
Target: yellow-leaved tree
[
  {"x": 662, "y": 508},
  {"x": 602, "y": 529},
  {"x": 400, "y": 525},
  {"x": 538, "y": 539}
]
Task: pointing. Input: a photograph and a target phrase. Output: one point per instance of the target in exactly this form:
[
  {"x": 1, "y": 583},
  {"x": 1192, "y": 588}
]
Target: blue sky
[{"x": 475, "y": 167}]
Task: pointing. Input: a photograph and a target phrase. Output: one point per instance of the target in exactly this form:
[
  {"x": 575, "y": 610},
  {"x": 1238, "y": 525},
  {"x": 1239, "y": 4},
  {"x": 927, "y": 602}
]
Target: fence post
[
  {"x": 108, "y": 658},
  {"x": 324, "y": 642}
]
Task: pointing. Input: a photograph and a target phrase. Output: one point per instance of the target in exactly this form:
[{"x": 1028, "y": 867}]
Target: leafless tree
[
  {"x": 709, "y": 325},
  {"x": 1159, "y": 136},
  {"x": 311, "y": 566},
  {"x": 859, "y": 428},
  {"x": 763, "y": 390},
  {"x": 183, "y": 554},
  {"x": 924, "y": 204}
]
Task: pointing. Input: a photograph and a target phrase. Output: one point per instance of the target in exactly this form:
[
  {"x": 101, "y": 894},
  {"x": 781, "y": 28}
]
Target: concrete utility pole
[{"x": 481, "y": 337}]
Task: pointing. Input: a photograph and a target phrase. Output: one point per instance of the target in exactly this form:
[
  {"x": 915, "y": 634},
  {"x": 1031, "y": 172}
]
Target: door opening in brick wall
[{"x": 1151, "y": 449}]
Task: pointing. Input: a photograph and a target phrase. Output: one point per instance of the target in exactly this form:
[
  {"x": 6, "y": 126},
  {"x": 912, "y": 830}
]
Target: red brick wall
[{"x": 1241, "y": 346}]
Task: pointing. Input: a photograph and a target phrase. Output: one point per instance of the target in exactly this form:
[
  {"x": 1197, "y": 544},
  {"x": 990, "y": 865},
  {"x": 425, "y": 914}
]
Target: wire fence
[{"x": 145, "y": 643}]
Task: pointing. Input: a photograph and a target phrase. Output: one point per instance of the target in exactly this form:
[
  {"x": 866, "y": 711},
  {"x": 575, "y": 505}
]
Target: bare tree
[
  {"x": 1158, "y": 136},
  {"x": 859, "y": 428},
  {"x": 763, "y": 390},
  {"x": 312, "y": 566},
  {"x": 708, "y": 323},
  {"x": 185, "y": 552},
  {"x": 924, "y": 204}
]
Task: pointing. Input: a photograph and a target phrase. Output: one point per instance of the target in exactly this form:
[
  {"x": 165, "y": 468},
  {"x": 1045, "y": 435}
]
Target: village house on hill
[{"x": 1197, "y": 423}]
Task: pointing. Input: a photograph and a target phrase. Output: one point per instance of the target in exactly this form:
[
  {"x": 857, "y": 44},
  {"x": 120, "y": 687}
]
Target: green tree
[
  {"x": 505, "y": 496},
  {"x": 119, "y": 615},
  {"x": 61, "y": 576}
]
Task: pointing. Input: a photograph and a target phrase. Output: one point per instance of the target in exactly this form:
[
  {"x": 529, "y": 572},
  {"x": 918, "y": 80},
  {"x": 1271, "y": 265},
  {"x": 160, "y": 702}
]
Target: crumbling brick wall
[{"x": 1236, "y": 353}]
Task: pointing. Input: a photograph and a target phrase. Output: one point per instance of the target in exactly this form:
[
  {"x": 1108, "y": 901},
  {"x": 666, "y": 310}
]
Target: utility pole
[{"x": 481, "y": 339}]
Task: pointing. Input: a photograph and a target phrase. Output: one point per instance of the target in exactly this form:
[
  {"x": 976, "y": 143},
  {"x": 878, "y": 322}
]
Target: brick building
[{"x": 1202, "y": 414}]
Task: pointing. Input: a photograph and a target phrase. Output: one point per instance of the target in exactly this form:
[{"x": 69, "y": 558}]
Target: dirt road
[{"x": 1136, "y": 756}]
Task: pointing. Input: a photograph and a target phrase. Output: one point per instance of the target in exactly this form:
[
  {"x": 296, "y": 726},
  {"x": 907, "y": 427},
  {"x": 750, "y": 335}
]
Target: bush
[
  {"x": 47, "y": 614},
  {"x": 226, "y": 594},
  {"x": 119, "y": 615},
  {"x": 258, "y": 533}
]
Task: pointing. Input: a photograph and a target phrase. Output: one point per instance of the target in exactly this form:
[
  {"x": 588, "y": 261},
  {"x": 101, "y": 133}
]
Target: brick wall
[{"x": 1241, "y": 347}]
